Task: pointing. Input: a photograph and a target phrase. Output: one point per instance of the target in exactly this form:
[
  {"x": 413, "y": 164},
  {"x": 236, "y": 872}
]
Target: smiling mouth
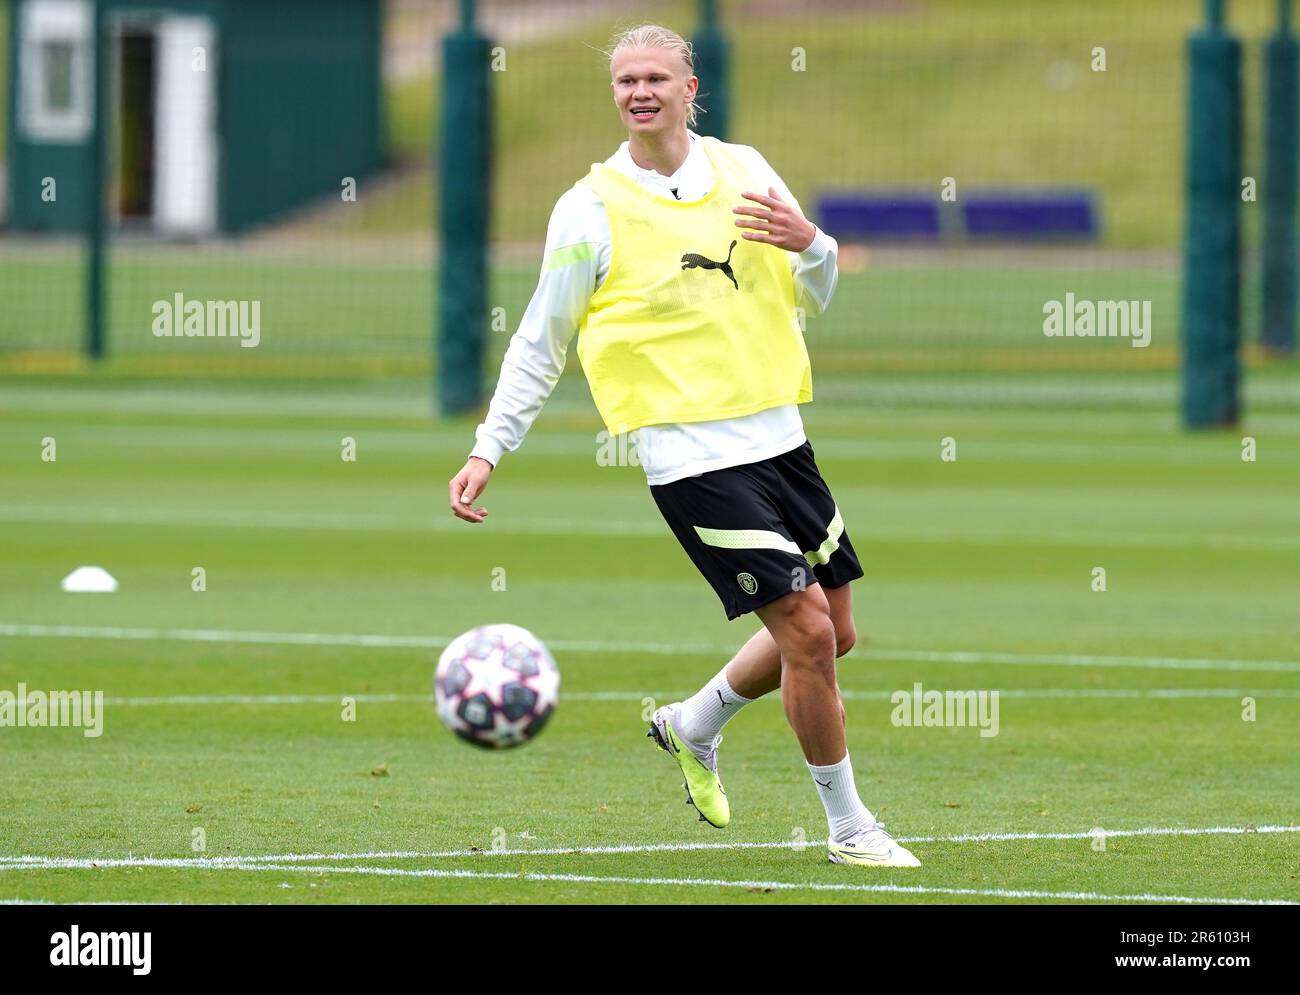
[{"x": 641, "y": 113}]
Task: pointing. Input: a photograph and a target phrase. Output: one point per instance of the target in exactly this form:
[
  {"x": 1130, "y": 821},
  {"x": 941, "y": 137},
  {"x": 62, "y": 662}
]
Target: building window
[
  {"x": 56, "y": 78},
  {"x": 57, "y": 66}
]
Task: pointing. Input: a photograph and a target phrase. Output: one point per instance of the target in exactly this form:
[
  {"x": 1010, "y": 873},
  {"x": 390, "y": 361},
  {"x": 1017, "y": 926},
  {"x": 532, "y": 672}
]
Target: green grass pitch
[{"x": 1120, "y": 710}]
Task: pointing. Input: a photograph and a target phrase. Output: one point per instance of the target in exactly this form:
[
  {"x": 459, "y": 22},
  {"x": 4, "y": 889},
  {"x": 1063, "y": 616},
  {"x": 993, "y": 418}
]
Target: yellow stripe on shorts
[{"x": 764, "y": 539}]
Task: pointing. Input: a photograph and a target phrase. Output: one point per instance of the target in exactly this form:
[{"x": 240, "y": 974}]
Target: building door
[
  {"x": 136, "y": 124},
  {"x": 185, "y": 188},
  {"x": 165, "y": 124}
]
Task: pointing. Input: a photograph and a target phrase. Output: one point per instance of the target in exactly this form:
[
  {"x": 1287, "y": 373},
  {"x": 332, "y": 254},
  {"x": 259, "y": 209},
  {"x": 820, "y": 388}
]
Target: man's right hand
[{"x": 466, "y": 486}]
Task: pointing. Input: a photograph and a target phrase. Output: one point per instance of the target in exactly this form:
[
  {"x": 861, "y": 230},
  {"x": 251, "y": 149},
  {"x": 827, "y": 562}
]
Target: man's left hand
[{"x": 774, "y": 221}]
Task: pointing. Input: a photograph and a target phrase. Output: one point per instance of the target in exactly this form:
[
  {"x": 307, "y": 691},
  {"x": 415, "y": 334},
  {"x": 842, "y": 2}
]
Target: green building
[{"x": 222, "y": 113}]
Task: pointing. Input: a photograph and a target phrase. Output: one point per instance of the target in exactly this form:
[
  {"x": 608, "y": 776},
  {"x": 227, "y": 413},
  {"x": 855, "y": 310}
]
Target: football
[{"x": 496, "y": 686}]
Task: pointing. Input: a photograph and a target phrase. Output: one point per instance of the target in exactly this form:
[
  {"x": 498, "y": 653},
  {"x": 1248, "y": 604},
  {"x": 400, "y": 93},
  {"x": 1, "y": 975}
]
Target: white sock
[
  {"x": 704, "y": 713},
  {"x": 845, "y": 812}
]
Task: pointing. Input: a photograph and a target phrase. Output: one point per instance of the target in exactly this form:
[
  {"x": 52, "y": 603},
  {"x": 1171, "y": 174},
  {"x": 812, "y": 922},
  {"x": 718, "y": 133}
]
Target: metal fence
[{"x": 867, "y": 108}]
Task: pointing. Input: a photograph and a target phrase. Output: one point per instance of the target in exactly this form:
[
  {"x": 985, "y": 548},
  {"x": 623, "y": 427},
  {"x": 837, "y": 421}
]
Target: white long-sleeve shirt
[{"x": 535, "y": 357}]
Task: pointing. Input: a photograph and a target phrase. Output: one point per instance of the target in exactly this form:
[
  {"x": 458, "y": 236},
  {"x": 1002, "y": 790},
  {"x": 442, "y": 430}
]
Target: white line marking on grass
[
  {"x": 33, "y": 861},
  {"x": 632, "y": 528},
  {"x": 533, "y": 876},
  {"x": 636, "y": 696},
  {"x": 267, "y": 699},
  {"x": 1081, "y": 660},
  {"x": 46, "y": 901},
  {"x": 225, "y": 636},
  {"x": 1108, "y": 833},
  {"x": 587, "y": 646},
  {"x": 342, "y": 521}
]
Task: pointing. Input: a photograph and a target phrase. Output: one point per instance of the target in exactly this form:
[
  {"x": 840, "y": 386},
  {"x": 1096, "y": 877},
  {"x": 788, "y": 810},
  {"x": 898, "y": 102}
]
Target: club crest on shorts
[{"x": 747, "y": 583}]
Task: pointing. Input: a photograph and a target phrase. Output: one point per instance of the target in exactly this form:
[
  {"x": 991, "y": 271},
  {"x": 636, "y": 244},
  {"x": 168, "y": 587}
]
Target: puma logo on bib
[{"x": 693, "y": 260}]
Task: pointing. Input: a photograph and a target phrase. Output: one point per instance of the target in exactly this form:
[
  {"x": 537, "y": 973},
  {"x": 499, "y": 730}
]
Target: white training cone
[{"x": 89, "y": 580}]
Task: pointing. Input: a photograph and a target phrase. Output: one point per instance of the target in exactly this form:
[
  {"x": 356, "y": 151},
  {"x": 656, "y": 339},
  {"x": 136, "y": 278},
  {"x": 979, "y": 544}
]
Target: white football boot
[{"x": 871, "y": 847}]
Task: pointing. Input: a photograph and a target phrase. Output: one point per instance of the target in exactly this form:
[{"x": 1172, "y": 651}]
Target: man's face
[{"x": 651, "y": 87}]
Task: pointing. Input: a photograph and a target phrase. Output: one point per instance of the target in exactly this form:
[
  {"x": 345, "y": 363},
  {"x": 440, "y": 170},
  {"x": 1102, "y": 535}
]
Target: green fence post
[
  {"x": 95, "y": 282},
  {"x": 464, "y": 180},
  {"x": 1278, "y": 307},
  {"x": 1212, "y": 272},
  {"x": 712, "y": 66}
]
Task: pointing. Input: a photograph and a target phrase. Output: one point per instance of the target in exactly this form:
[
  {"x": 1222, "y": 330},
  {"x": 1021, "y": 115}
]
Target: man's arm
[
  {"x": 536, "y": 355},
  {"x": 537, "y": 352}
]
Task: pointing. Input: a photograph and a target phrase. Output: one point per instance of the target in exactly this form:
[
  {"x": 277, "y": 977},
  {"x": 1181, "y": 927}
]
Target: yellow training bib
[{"x": 693, "y": 321}]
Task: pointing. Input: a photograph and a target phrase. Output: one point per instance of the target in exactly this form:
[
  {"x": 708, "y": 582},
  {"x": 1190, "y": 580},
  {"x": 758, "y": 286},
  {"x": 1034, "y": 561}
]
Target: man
[{"x": 689, "y": 339}]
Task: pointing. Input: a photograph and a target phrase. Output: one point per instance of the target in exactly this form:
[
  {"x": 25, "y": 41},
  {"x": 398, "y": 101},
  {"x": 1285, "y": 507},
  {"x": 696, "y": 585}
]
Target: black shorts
[{"x": 762, "y": 530}]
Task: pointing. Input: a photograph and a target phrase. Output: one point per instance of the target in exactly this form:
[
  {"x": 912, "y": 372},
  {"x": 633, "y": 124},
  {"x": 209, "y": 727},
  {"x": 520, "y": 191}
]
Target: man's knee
[
  {"x": 803, "y": 628},
  {"x": 817, "y": 638}
]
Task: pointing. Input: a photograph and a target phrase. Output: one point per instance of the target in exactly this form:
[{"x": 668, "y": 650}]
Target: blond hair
[{"x": 657, "y": 36}]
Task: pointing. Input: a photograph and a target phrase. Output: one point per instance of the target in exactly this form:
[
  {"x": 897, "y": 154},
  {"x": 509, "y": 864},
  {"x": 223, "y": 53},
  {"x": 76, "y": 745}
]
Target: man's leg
[
  {"x": 754, "y": 671},
  {"x": 801, "y": 627},
  {"x": 841, "y": 601},
  {"x": 802, "y": 635},
  {"x": 846, "y": 633}
]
